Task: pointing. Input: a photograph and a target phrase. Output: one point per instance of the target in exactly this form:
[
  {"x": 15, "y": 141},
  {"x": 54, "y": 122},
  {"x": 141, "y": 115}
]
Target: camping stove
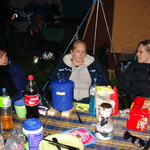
[{"x": 104, "y": 128}]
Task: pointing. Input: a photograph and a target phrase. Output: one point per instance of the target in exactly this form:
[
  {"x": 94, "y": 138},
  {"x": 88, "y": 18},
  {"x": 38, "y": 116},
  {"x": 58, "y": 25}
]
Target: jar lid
[
  {"x": 32, "y": 124},
  {"x": 62, "y": 82}
]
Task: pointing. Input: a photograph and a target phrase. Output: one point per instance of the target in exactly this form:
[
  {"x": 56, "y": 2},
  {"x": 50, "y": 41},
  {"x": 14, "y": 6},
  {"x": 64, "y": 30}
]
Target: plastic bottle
[
  {"x": 114, "y": 101},
  {"x": 6, "y": 114},
  {"x": 31, "y": 96},
  {"x": 92, "y": 109},
  {"x": 1, "y": 104}
]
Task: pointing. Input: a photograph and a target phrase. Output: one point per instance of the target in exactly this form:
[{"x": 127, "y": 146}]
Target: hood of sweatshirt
[{"x": 87, "y": 60}]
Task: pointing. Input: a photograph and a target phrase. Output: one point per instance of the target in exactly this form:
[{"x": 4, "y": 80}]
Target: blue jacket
[
  {"x": 63, "y": 71},
  {"x": 19, "y": 78},
  {"x": 82, "y": 76}
]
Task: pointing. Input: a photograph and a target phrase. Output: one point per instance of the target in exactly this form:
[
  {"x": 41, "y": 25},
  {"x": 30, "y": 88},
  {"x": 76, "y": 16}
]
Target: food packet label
[
  {"x": 104, "y": 90},
  {"x": 142, "y": 124}
]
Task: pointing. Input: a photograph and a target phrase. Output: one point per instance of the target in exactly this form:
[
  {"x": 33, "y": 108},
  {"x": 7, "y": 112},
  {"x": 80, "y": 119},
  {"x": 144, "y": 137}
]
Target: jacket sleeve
[
  {"x": 96, "y": 71},
  {"x": 61, "y": 71},
  {"x": 55, "y": 73},
  {"x": 125, "y": 82},
  {"x": 18, "y": 75}
]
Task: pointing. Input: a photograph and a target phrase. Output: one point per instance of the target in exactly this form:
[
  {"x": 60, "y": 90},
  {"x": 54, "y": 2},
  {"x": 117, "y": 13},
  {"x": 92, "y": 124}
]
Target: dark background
[{"x": 19, "y": 48}]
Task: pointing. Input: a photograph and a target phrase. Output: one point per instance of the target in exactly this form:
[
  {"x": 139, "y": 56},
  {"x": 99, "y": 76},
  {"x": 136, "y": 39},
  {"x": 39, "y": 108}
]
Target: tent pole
[
  {"x": 73, "y": 38},
  {"x": 108, "y": 32},
  {"x": 89, "y": 19},
  {"x": 100, "y": 1},
  {"x": 95, "y": 33}
]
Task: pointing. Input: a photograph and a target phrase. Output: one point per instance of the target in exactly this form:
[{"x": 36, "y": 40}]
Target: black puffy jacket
[{"x": 135, "y": 80}]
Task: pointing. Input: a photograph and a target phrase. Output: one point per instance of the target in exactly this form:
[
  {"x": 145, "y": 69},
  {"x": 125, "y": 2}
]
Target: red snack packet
[{"x": 139, "y": 117}]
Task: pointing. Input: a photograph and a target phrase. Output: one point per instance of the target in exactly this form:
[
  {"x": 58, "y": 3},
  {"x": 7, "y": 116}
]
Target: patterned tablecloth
[{"x": 57, "y": 124}]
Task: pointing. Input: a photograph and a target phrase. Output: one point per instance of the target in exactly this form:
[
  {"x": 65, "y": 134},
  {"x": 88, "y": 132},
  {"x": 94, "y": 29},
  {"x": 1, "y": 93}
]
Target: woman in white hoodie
[{"x": 81, "y": 68}]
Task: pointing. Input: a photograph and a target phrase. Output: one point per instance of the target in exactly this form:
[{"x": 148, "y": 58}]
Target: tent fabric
[
  {"x": 131, "y": 23},
  {"x": 128, "y": 23},
  {"x": 101, "y": 35}
]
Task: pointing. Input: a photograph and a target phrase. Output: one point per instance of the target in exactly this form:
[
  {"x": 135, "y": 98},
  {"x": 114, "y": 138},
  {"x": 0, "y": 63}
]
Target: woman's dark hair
[{"x": 2, "y": 51}]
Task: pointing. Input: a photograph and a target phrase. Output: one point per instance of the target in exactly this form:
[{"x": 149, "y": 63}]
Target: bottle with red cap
[
  {"x": 31, "y": 96},
  {"x": 114, "y": 101}
]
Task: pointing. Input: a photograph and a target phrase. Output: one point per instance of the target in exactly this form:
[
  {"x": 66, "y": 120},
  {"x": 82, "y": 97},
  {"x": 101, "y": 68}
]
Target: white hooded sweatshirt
[{"x": 80, "y": 76}]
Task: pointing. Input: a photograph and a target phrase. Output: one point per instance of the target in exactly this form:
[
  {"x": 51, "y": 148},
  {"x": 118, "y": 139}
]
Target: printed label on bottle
[
  {"x": 1, "y": 101},
  {"x": 31, "y": 100},
  {"x": 92, "y": 91},
  {"x": 5, "y": 102}
]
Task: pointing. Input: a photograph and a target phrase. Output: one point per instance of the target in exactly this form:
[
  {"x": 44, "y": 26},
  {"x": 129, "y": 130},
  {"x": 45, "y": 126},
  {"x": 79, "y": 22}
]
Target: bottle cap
[
  {"x": 30, "y": 77},
  {"x": 3, "y": 89},
  {"x": 115, "y": 89},
  {"x": 95, "y": 79}
]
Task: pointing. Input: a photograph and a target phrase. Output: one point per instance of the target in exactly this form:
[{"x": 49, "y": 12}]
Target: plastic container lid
[
  {"x": 62, "y": 82},
  {"x": 32, "y": 124}
]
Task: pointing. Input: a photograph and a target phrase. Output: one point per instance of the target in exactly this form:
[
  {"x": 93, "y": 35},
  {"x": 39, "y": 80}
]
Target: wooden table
[{"x": 57, "y": 124}]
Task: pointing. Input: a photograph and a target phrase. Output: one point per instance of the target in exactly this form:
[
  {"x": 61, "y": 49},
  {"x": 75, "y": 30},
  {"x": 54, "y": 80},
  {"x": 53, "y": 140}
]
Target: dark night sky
[
  {"x": 71, "y": 8},
  {"x": 75, "y": 8}
]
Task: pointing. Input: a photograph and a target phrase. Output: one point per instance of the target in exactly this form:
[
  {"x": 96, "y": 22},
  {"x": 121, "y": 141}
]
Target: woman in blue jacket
[
  {"x": 81, "y": 68},
  {"x": 12, "y": 77}
]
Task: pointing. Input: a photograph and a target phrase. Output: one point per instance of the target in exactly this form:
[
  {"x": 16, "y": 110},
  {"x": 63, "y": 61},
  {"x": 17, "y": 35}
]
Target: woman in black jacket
[{"x": 135, "y": 80}]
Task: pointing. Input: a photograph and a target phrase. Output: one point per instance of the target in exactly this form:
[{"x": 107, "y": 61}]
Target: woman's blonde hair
[
  {"x": 146, "y": 43},
  {"x": 77, "y": 42}
]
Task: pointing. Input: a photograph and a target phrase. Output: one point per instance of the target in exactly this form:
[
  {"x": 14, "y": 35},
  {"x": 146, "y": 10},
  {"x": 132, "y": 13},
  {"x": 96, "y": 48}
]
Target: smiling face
[
  {"x": 78, "y": 53},
  {"x": 3, "y": 58},
  {"x": 142, "y": 54}
]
